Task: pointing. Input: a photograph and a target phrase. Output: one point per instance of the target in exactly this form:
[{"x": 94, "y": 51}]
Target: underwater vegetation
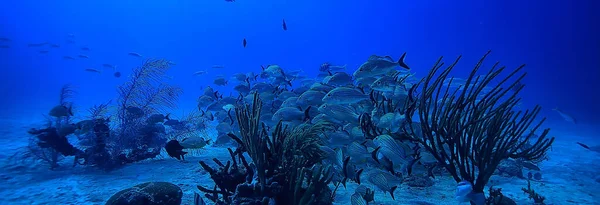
[
  {"x": 298, "y": 140},
  {"x": 468, "y": 136},
  {"x": 112, "y": 137},
  {"x": 284, "y": 166}
]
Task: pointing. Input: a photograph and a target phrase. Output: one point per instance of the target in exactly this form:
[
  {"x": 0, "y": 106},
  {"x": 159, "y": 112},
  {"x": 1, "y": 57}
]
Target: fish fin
[
  {"x": 401, "y": 61},
  {"x": 358, "y": 173},
  {"x": 167, "y": 116},
  {"x": 70, "y": 109},
  {"x": 583, "y": 145},
  {"x": 374, "y": 154},
  {"x": 345, "y": 167},
  {"x": 392, "y": 191},
  {"x": 364, "y": 144},
  {"x": 306, "y": 113}
]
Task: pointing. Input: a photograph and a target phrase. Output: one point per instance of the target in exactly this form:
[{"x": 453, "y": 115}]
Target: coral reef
[
  {"x": 469, "y": 132},
  {"x": 284, "y": 167},
  {"x": 149, "y": 193},
  {"x": 536, "y": 197},
  {"x": 59, "y": 126},
  {"x": 497, "y": 198}
]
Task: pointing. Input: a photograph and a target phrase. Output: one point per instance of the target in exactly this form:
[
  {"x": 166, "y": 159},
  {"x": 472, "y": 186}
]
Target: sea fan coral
[
  {"x": 470, "y": 135},
  {"x": 144, "y": 94}
]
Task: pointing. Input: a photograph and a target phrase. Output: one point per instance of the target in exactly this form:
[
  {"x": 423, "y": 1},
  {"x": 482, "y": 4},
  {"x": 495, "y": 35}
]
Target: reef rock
[{"x": 149, "y": 193}]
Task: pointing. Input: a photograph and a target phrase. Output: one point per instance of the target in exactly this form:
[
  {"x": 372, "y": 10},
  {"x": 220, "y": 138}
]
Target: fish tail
[
  {"x": 307, "y": 113},
  {"x": 374, "y": 154},
  {"x": 358, "y": 173},
  {"x": 168, "y": 116},
  {"x": 345, "y": 167},
  {"x": 401, "y": 61},
  {"x": 70, "y": 109},
  {"x": 392, "y": 192}
]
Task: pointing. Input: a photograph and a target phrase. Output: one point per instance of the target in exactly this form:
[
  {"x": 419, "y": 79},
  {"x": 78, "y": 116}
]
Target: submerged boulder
[{"x": 149, "y": 193}]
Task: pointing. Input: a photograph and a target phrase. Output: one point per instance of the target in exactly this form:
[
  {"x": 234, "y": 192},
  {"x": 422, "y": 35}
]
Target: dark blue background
[{"x": 558, "y": 40}]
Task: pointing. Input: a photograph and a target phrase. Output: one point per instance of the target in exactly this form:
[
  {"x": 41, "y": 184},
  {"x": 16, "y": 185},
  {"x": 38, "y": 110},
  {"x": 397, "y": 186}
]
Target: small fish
[
  {"x": 284, "y": 25},
  {"x": 465, "y": 193},
  {"x": 202, "y": 72},
  {"x": 229, "y": 0},
  {"x": 68, "y": 58},
  {"x": 92, "y": 70},
  {"x": 85, "y": 48},
  {"x": 37, "y": 44},
  {"x": 156, "y": 118},
  {"x": 175, "y": 150},
  {"x": 566, "y": 116},
  {"x": 220, "y": 81},
  {"x": 70, "y": 35},
  {"x": 134, "y": 54},
  {"x": 4, "y": 39},
  {"x": 357, "y": 199},
  {"x": 82, "y": 56},
  {"x": 244, "y": 42},
  {"x": 61, "y": 111},
  {"x": 67, "y": 129},
  {"x": 117, "y": 74},
  {"x": 4, "y": 46},
  {"x": 383, "y": 182},
  {"x": 134, "y": 112},
  {"x": 43, "y": 51},
  {"x": 55, "y": 46},
  {"x": 583, "y": 145},
  {"x": 106, "y": 65},
  {"x": 218, "y": 66},
  {"x": 194, "y": 143}
]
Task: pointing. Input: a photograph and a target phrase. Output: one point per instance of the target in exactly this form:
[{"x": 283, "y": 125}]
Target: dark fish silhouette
[
  {"x": 134, "y": 54},
  {"x": 284, "y": 25},
  {"x": 92, "y": 70},
  {"x": 583, "y": 145},
  {"x": 175, "y": 150},
  {"x": 401, "y": 61},
  {"x": 117, "y": 74},
  {"x": 244, "y": 43}
]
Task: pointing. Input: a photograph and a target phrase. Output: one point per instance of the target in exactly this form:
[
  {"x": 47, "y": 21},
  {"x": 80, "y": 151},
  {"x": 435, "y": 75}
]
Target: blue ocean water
[{"x": 558, "y": 40}]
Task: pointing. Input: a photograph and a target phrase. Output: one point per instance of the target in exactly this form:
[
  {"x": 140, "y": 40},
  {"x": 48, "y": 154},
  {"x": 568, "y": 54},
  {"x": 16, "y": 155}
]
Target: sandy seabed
[{"x": 571, "y": 176}]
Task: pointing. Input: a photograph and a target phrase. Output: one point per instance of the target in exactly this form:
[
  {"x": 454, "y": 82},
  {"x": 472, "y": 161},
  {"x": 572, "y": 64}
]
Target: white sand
[{"x": 568, "y": 177}]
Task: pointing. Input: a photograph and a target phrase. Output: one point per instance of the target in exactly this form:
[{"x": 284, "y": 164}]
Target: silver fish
[{"x": 566, "y": 116}]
